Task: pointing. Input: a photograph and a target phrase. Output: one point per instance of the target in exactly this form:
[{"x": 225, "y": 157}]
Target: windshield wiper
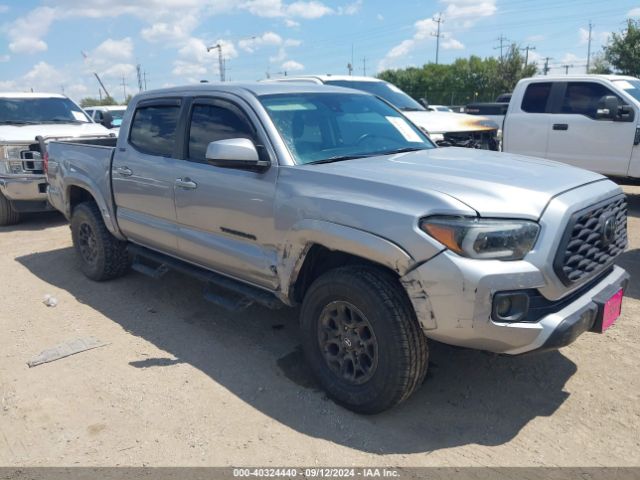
[
  {"x": 338, "y": 158},
  {"x": 60, "y": 120},
  {"x": 411, "y": 109},
  {"x": 17, "y": 122}
]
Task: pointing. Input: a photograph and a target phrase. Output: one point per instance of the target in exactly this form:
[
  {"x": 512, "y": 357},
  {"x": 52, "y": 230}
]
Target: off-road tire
[
  {"x": 8, "y": 216},
  {"x": 402, "y": 351},
  {"x": 109, "y": 257}
]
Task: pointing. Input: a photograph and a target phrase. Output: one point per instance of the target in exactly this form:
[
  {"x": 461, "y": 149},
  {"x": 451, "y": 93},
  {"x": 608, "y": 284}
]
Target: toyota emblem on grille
[{"x": 608, "y": 230}]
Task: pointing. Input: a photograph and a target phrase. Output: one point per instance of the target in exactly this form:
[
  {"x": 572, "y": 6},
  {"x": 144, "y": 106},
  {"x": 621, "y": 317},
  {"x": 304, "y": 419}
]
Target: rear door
[
  {"x": 143, "y": 175},
  {"x": 578, "y": 137},
  {"x": 526, "y": 129},
  {"x": 225, "y": 215}
]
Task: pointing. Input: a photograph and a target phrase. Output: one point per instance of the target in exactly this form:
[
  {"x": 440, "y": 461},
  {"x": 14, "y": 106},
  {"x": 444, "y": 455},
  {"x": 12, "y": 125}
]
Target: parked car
[
  {"x": 113, "y": 120},
  {"x": 23, "y": 117},
  {"x": 590, "y": 121},
  {"x": 444, "y": 128},
  {"x": 329, "y": 198},
  {"x": 438, "y": 108}
]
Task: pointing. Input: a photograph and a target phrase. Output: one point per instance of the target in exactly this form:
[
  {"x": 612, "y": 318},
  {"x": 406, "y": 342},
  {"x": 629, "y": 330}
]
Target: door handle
[
  {"x": 124, "y": 171},
  {"x": 186, "y": 183},
  {"x": 561, "y": 126}
]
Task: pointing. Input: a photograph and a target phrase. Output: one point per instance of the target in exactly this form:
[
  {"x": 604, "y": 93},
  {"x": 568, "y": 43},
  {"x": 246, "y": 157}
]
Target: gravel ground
[{"x": 182, "y": 382}]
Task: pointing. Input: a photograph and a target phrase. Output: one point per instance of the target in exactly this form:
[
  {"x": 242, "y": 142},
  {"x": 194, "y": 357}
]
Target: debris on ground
[
  {"x": 65, "y": 350},
  {"x": 50, "y": 301}
]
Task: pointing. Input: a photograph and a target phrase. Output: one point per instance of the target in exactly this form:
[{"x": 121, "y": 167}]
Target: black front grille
[
  {"x": 483, "y": 140},
  {"x": 586, "y": 249}
]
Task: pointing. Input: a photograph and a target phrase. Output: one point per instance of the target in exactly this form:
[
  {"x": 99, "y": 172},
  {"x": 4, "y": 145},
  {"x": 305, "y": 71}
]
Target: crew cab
[
  {"x": 445, "y": 128},
  {"x": 589, "y": 121},
  {"x": 23, "y": 117},
  {"x": 328, "y": 198}
]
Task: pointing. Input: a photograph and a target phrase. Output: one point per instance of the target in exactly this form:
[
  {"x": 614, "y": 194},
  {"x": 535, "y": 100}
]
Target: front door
[
  {"x": 578, "y": 137},
  {"x": 225, "y": 216}
]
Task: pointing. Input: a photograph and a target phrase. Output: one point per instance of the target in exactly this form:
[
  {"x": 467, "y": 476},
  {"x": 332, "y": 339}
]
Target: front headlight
[{"x": 483, "y": 238}]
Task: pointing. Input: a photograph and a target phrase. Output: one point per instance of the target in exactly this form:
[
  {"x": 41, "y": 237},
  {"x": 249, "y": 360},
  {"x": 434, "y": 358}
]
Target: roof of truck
[
  {"x": 326, "y": 78},
  {"x": 255, "y": 88},
  {"x": 584, "y": 76},
  {"x": 30, "y": 95}
]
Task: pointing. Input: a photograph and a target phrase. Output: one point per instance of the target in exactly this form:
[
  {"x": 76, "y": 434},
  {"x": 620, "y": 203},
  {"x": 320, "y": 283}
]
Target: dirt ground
[{"x": 182, "y": 382}]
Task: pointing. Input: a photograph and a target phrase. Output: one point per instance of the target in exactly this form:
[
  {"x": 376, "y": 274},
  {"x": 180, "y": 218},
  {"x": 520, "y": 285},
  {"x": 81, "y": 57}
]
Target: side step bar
[{"x": 240, "y": 296}]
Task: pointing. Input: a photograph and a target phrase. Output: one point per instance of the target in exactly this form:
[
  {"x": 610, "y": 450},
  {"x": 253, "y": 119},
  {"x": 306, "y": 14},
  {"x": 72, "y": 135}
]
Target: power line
[{"x": 439, "y": 21}]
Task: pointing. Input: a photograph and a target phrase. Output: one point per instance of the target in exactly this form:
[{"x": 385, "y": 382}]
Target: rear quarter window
[{"x": 535, "y": 97}]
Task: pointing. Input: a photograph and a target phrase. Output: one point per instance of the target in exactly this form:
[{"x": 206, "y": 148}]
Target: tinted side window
[
  {"x": 582, "y": 98},
  {"x": 153, "y": 129},
  {"x": 210, "y": 123},
  {"x": 535, "y": 97}
]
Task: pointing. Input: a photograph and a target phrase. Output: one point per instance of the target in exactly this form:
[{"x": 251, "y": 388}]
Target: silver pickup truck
[{"x": 328, "y": 198}]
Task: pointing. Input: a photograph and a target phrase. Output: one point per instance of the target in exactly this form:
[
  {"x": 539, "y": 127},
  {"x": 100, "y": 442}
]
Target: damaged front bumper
[{"x": 453, "y": 300}]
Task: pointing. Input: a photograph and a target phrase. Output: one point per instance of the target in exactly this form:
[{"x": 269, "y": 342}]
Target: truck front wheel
[
  {"x": 102, "y": 256},
  {"x": 8, "y": 216},
  {"x": 362, "y": 339}
]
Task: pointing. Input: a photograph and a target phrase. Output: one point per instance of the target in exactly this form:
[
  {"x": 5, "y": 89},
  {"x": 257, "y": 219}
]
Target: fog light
[{"x": 510, "y": 307}]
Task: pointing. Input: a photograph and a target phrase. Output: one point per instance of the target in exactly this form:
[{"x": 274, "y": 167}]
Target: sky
[{"x": 57, "y": 46}]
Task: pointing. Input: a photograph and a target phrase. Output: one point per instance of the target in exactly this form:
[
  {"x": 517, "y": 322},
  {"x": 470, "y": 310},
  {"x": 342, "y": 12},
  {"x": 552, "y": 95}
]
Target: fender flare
[
  {"x": 107, "y": 211},
  {"x": 306, "y": 233}
]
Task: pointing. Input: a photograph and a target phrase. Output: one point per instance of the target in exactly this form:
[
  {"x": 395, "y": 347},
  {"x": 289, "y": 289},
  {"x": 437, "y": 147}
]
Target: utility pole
[
  {"x": 124, "y": 89},
  {"x": 138, "y": 71},
  {"x": 566, "y": 68},
  {"x": 144, "y": 76},
  {"x": 526, "y": 54},
  {"x": 589, "y": 47},
  {"x": 502, "y": 39},
  {"x": 546, "y": 65},
  {"x": 439, "y": 20},
  {"x": 349, "y": 68},
  {"x": 220, "y": 59},
  {"x": 364, "y": 66}
]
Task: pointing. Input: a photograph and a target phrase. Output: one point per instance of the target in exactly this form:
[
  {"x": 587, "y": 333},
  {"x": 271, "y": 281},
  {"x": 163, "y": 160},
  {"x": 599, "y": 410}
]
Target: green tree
[
  {"x": 599, "y": 65},
  {"x": 464, "y": 81},
  {"x": 97, "y": 102},
  {"x": 623, "y": 49}
]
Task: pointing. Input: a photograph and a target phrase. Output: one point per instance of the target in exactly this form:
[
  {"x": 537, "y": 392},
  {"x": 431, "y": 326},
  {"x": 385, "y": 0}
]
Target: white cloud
[
  {"x": 266, "y": 39},
  {"x": 535, "y": 38},
  {"x": 308, "y": 10},
  {"x": 170, "y": 31},
  {"x": 463, "y": 9},
  {"x": 4, "y": 8},
  {"x": 635, "y": 12},
  {"x": 351, "y": 8},
  {"x": 25, "y": 32},
  {"x": 452, "y": 44},
  {"x": 292, "y": 66},
  {"x": 597, "y": 37},
  {"x": 4, "y": 58},
  {"x": 291, "y": 23},
  {"x": 115, "y": 49}
]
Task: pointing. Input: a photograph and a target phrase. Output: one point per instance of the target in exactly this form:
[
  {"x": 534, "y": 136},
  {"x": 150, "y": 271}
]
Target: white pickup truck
[
  {"x": 590, "y": 121},
  {"x": 23, "y": 117}
]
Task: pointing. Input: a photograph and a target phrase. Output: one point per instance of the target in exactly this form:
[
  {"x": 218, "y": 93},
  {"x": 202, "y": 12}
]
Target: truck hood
[
  {"x": 445, "y": 122},
  {"x": 28, "y": 133},
  {"x": 491, "y": 183}
]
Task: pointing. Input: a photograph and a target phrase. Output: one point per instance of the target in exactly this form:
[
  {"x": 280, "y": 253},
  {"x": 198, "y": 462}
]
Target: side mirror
[
  {"x": 423, "y": 101},
  {"x": 107, "y": 120},
  {"x": 238, "y": 153}
]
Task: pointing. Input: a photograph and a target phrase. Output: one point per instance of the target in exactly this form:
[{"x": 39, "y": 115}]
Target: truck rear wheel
[
  {"x": 102, "y": 256},
  {"x": 8, "y": 216},
  {"x": 362, "y": 339}
]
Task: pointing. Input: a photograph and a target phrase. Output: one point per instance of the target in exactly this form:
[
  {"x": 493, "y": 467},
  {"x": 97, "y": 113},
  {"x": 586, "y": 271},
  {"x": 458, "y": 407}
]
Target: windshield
[
  {"x": 21, "y": 111},
  {"x": 632, "y": 87},
  {"x": 117, "y": 117},
  {"x": 389, "y": 92},
  {"x": 340, "y": 126}
]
